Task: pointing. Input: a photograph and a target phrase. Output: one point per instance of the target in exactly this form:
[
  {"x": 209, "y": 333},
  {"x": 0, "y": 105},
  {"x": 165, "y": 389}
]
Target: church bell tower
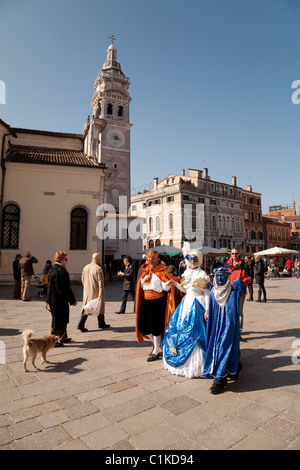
[{"x": 107, "y": 132}]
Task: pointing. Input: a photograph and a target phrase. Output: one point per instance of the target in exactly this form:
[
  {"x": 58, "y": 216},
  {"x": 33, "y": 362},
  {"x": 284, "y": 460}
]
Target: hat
[{"x": 17, "y": 256}]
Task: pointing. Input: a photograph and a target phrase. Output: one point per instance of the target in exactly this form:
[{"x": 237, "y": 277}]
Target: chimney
[
  {"x": 183, "y": 172},
  {"x": 249, "y": 188},
  {"x": 205, "y": 173},
  {"x": 234, "y": 181},
  {"x": 155, "y": 181}
]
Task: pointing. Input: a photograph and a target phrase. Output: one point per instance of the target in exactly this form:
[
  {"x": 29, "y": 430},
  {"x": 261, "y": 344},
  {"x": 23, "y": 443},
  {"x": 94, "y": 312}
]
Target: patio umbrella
[
  {"x": 209, "y": 251},
  {"x": 277, "y": 251},
  {"x": 167, "y": 250}
]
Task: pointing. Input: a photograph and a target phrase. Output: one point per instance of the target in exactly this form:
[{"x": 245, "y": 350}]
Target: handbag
[{"x": 92, "y": 307}]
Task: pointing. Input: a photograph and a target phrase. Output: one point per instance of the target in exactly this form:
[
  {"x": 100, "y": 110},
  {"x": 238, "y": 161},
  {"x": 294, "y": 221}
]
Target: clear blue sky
[{"x": 210, "y": 82}]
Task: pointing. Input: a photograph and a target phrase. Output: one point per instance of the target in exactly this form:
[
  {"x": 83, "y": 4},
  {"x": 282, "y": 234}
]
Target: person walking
[
  {"x": 250, "y": 270},
  {"x": 59, "y": 296},
  {"x": 237, "y": 268},
  {"x": 128, "y": 282},
  {"x": 259, "y": 272},
  {"x": 289, "y": 267},
  {"x": 17, "y": 277},
  {"x": 92, "y": 279},
  {"x": 27, "y": 271}
]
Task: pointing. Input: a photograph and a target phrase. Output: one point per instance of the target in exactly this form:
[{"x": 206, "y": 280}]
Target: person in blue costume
[
  {"x": 223, "y": 330},
  {"x": 184, "y": 342}
]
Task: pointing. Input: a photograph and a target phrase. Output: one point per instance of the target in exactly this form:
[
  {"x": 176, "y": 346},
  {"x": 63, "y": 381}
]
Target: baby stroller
[{"x": 43, "y": 284}]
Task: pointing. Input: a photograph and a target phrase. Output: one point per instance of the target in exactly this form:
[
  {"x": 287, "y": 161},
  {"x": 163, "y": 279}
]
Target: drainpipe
[{"x": 3, "y": 168}]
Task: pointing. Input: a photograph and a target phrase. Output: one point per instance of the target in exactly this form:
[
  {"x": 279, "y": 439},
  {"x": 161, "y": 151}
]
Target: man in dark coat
[
  {"x": 59, "y": 296},
  {"x": 128, "y": 282},
  {"x": 250, "y": 270},
  {"x": 17, "y": 277},
  {"x": 259, "y": 272}
]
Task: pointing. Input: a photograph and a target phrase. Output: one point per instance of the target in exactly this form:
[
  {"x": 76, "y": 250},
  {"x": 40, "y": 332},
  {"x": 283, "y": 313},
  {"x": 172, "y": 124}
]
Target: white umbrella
[
  {"x": 209, "y": 251},
  {"x": 276, "y": 251},
  {"x": 167, "y": 250}
]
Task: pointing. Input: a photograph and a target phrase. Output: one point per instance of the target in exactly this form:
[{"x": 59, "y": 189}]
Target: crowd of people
[{"x": 192, "y": 314}]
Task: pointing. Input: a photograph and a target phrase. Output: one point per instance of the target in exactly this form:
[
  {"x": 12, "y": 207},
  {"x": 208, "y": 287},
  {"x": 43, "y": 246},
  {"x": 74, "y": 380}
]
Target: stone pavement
[{"x": 98, "y": 392}]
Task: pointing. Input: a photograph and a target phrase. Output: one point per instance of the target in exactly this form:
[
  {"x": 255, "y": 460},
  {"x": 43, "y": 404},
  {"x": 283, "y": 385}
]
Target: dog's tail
[{"x": 27, "y": 336}]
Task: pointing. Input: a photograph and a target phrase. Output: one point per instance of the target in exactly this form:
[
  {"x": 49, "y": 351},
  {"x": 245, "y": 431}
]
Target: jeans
[
  {"x": 261, "y": 289},
  {"x": 125, "y": 297},
  {"x": 241, "y": 308}
]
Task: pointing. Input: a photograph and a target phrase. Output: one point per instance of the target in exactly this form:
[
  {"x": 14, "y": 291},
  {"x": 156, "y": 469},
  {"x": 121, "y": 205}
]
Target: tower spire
[{"x": 111, "y": 59}]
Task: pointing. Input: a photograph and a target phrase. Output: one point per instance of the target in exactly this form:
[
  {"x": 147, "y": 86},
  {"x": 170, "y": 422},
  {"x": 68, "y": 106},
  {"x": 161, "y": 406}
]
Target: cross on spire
[{"x": 112, "y": 37}]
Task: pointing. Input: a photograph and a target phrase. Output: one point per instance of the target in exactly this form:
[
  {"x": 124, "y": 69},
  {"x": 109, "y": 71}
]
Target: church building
[{"x": 54, "y": 184}]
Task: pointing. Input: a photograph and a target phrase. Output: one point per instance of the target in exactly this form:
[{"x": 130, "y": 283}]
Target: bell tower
[{"x": 107, "y": 132}]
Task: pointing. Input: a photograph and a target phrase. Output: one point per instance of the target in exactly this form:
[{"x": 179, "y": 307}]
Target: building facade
[
  {"x": 289, "y": 215},
  {"x": 276, "y": 232},
  {"x": 253, "y": 221},
  {"x": 191, "y": 208}
]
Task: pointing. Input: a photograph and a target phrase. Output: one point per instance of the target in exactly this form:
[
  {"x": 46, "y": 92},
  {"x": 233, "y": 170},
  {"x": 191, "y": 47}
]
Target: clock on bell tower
[{"x": 107, "y": 133}]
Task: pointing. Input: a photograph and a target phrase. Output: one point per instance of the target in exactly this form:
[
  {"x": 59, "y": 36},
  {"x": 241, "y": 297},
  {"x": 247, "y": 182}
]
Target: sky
[{"x": 211, "y": 82}]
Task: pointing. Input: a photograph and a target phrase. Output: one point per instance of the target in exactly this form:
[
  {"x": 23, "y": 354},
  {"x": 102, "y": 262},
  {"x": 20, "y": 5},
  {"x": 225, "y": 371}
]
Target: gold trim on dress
[{"x": 198, "y": 283}]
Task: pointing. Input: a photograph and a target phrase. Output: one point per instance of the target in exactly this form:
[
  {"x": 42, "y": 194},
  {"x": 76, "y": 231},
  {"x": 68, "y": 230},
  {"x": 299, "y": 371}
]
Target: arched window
[
  {"x": 253, "y": 235},
  {"x": 157, "y": 242},
  {"x": 10, "y": 226},
  {"x": 157, "y": 224},
  {"x": 170, "y": 221},
  {"x": 120, "y": 111},
  {"x": 79, "y": 225},
  {"x": 150, "y": 224},
  {"x": 151, "y": 244},
  {"x": 109, "y": 109}
]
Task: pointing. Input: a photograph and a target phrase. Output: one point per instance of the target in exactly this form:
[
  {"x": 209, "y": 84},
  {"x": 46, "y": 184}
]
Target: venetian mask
[{"x": 152, "y": 258}]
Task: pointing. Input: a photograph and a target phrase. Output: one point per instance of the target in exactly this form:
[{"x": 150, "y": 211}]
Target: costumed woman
[
  {"x": 184, "y": 343},
  {"x": 223, "y": 330},
  {"x": 154, "y": 302}
]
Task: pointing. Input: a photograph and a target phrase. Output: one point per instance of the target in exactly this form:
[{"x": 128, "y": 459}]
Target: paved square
[{"x": 98, "y": 392}]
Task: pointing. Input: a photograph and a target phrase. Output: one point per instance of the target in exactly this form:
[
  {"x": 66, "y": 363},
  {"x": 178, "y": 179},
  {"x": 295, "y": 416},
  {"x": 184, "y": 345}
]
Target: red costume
[{"x": 151, "y": 267}]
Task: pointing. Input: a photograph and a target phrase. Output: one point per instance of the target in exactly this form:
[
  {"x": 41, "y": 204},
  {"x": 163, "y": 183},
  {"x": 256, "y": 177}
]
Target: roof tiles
[{"x": 50, "y": 156}]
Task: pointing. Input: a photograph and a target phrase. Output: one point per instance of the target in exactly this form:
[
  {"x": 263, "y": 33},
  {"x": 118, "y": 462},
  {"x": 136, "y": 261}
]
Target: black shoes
[
  {"x": 153, "y": 357},
  {"x": 82, "y": 329},
  {"x": 119, "y": 312},
  {"x": 217, "y": 388}
]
